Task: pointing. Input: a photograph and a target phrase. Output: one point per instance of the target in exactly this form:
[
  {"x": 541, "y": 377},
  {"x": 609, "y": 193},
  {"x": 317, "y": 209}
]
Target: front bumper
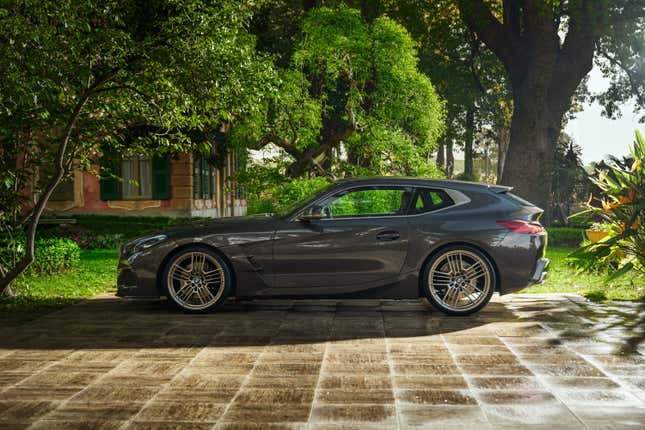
[
  {"x": 138, "y": 273},
  {"x": 539, "y": 275}
]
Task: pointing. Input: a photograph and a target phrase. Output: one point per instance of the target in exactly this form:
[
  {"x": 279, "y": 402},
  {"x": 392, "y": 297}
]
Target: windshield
[{"x": 290, "y": 209}]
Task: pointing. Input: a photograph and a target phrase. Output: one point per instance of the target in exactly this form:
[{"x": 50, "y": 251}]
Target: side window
[
  {"x": 367, "y": 201},
  {"x": 428, "y": 200}
]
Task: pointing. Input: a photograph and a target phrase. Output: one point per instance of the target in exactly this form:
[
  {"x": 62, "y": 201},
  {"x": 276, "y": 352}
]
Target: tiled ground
[{"x": 525, "y": 361}]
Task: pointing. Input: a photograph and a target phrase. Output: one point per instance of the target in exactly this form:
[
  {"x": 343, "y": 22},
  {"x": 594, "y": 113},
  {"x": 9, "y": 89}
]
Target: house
[{"x": 179, "y": 185}]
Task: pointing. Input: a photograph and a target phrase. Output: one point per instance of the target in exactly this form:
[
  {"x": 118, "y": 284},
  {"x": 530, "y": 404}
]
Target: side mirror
[{"x": 314, "y": 214}]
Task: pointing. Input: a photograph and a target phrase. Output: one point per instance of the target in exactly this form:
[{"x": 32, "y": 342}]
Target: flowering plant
[{"x": 622, "y": 211}]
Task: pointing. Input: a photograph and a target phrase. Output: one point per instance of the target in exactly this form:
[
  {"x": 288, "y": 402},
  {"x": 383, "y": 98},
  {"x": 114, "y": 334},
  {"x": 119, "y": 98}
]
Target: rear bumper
[{"x": 539, "y": 275}]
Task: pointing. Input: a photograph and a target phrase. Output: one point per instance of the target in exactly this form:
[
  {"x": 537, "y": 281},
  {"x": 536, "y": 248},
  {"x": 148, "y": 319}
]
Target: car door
[{"x": 355, "y": 239}]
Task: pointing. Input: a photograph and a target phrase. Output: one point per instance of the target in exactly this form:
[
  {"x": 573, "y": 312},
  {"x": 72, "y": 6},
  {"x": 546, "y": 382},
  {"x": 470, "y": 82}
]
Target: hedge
[
  {"x": 565, "y": 236},
  {"x": 52, "y": 255}
]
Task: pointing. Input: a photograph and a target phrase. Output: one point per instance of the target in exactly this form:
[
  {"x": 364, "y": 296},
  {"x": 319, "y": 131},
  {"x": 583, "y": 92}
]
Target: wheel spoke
[
  {"x": 180, "y": 276},
  {"x": 474, "y": 271},
  {"x": 213, "y": 276},
  {"x": 452, "y": 297}
]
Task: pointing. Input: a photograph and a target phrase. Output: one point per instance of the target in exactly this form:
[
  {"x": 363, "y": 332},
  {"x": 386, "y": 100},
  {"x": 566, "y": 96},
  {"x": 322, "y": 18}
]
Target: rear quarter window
[{"x": 428, "y": 200}]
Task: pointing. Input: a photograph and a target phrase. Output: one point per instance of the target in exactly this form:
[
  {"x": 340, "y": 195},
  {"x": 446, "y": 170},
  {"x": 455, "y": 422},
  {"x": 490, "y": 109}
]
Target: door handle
[{"x": 388, "y": 235}]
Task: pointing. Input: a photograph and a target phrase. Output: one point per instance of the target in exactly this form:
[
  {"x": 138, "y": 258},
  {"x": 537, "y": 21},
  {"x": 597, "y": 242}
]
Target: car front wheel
[
  {"x": 459, "y": 280},
  {"x": 197, "y": 279}
]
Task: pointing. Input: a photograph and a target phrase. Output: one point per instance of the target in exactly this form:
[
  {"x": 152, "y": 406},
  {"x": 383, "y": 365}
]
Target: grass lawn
[
  {"x": 37, "y": 295},
  {"x": 565, "y": 279}
]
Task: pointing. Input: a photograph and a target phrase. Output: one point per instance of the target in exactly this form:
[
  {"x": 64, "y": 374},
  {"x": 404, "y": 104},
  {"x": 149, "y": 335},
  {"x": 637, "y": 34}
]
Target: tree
[
  {"x": 78, "y": 76},
  {"x": 353, "y": 82},
  {"x": 547, "y": 48},
  {"x": 466, "y": 75},
  {"x": 570, "y": 180}
]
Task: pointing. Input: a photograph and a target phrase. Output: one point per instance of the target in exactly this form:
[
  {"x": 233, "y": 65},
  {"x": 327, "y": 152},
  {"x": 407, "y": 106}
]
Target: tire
[
  {"x": 459, "y": 280},
  {"x": 196, "y": 279}
]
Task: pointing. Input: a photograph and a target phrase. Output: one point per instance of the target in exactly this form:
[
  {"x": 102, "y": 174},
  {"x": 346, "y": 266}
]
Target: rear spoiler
[{"x": 499, "y": 189}]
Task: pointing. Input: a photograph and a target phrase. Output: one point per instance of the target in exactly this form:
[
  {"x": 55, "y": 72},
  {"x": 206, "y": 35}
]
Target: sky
[{"x": 599, "y": 136}]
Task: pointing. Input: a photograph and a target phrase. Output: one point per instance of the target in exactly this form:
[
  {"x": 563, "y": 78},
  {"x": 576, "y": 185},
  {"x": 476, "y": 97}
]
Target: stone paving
[{"x": 547, "y": 361}]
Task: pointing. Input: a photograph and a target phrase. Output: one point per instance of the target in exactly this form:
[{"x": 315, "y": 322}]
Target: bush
[
  {"x": 52, "y": 255},
  {"x": 86, "y": 239},
  {"x": 55, "y": 255},
  {"x": 565, "y": 236},
  {"x": 622, "y": 212}
]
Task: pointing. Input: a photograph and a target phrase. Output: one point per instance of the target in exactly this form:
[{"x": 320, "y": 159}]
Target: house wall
[{"x": 87, "y": 197}]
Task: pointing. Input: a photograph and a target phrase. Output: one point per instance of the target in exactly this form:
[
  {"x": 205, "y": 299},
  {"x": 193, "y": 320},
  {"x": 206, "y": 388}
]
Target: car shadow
[{"x": 109, "y": 323}]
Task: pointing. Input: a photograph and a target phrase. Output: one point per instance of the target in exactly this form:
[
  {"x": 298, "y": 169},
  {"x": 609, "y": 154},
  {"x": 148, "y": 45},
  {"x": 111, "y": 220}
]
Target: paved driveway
[{"x": 546, "y": 361}]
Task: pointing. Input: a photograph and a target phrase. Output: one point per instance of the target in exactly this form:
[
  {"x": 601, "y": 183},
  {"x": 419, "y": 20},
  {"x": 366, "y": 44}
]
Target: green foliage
[
  {"x": 564, "y": 278},
  {"x": 81, "y": 78},
  {"x": 85, "y": 238},
  {"x": 363, "y": 202},
  {"x": 623, "y": 213},
  {"x": 565, "y": 236},
  {"x": 53, "y": 255},
  {"x": 270, "y": 196},
  {"x": 354, "y": 83}
]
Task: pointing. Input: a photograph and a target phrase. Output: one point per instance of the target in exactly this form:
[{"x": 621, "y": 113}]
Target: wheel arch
[
  {"x": 160, "y": 284},
  {"x": 437, "y": 249}
]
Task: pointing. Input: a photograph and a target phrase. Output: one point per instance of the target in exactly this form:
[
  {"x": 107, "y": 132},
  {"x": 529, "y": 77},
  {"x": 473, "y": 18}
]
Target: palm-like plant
[{"x": 622, "y": 210}]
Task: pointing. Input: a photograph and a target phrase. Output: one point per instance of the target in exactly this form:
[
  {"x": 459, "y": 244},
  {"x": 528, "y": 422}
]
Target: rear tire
[
  {"x": 196, "y": 279},
  {"x": 459, "y": 280}
]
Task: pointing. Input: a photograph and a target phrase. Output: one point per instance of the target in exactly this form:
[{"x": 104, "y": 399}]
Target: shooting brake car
[{"x": 455, "y": 243}]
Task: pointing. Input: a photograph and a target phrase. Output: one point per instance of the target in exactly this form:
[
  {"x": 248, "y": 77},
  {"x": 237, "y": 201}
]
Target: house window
[
  {"x": 203, "y": 186},
  {"x": 239, "y": 166},
  {"x": 137, "y": 178}
]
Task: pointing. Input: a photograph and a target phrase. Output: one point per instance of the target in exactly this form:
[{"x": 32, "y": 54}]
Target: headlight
[{"x": 142, "y": 244}]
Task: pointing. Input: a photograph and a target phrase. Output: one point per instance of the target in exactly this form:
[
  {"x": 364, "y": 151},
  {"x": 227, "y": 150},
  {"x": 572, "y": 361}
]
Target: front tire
[
  {"x": 197, "y": 279},
  {"x": 459, "y": 280}
]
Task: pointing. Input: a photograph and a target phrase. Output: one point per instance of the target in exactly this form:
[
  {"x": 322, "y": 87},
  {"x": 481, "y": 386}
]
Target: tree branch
[{"x": 499, "y": 38}]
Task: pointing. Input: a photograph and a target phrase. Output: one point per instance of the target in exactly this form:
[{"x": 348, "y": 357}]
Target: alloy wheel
[
  {"x": 196, "y": 280},
  {"x": 459, "y": 280}
]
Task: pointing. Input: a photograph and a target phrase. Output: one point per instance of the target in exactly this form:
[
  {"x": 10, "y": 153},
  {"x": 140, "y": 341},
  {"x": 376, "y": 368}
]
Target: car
[{"x": 454, "y": 243}]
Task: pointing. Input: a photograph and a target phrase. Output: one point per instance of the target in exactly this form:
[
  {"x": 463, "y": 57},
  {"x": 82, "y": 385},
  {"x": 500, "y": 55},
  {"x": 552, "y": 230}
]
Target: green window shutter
[
  {"x": 109, "y": 187},
  {"x": 160, "y": 178},
  {"x": 196, "y": 189}
]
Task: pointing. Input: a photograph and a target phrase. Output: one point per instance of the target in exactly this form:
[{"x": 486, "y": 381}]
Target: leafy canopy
[{"x": 355, "y": 83}]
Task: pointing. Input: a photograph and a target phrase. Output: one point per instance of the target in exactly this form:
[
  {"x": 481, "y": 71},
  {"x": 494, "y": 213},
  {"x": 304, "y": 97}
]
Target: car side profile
[{"x": 453, "y": 242}]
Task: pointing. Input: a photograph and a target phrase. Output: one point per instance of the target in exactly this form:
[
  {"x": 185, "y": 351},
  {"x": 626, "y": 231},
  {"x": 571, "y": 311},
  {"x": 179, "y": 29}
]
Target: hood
[{"x": 232, "y": 225}]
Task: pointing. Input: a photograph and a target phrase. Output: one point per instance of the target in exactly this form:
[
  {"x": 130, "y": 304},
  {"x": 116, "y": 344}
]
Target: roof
[{"x": 439, "y": 183}]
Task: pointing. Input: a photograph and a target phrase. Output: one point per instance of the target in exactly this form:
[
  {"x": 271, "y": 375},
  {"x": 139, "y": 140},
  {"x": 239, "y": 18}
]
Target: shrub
[
  {"x": 623, "y": 214},
  {"x": 52, "y": 255},
  {"x": 86, "y": 239},
  {"x": 565, "y": 236}
]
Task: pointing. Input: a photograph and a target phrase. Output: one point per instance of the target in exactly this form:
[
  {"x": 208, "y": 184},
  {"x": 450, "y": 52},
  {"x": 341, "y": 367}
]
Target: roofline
[{"x": 448, "y": 183}]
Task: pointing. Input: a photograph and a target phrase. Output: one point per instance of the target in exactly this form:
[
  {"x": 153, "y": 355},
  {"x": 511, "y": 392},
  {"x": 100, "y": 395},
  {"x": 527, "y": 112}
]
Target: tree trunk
[
  {"x": 502, "y": 147},
  {"x": 450, "y": 160},
  {"x": 529, "y": 167},
  {"x": 468, "y": 143},
  {"x": 441, "y": 158}
]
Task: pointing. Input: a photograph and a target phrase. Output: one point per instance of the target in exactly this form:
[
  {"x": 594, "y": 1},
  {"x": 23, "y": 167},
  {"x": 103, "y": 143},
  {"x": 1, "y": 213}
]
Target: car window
[
  {"x": 367, "y": 201},
  {"x": 428, "y": 200}
]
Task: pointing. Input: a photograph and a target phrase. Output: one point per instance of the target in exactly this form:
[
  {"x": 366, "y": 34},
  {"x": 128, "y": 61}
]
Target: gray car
[{"x": 455, "y": 243}]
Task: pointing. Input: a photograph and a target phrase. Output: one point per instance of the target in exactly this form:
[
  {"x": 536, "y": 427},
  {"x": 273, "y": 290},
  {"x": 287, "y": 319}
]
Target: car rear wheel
[
  {"x": 459, "y": 280},
  {"x": 197, "y": 279}
]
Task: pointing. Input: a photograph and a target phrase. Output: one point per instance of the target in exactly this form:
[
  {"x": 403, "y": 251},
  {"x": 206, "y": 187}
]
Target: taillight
[{"x": 523, "y": 227}]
